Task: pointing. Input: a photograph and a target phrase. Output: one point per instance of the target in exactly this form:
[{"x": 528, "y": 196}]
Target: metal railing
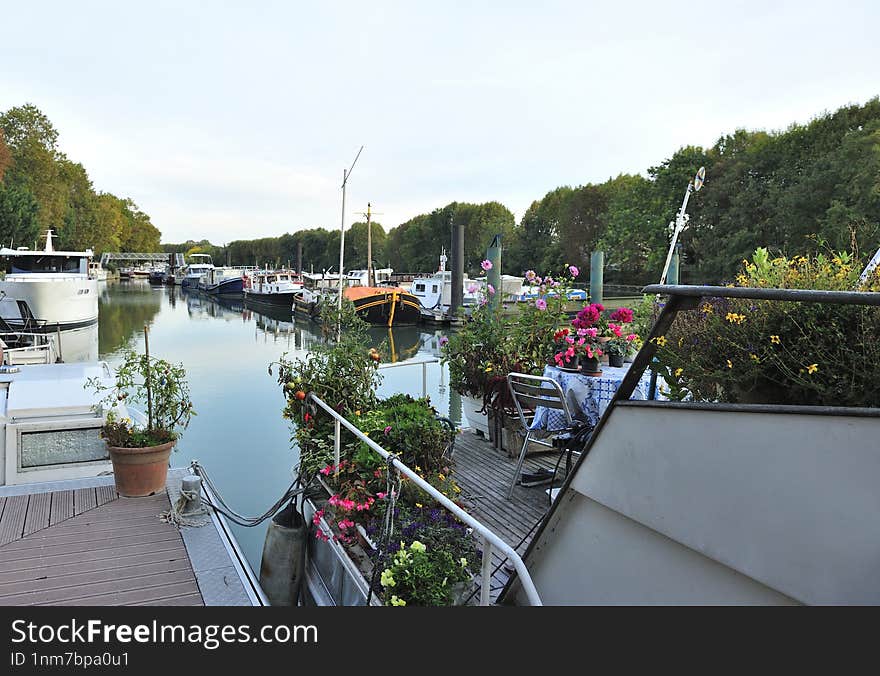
[
  {"x": 424, "y": 363},
  {"x": 489, "y": 539}
]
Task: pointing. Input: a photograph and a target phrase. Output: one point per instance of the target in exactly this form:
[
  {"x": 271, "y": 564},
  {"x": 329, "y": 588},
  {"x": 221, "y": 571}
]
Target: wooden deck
[
  {"x": 484, "y": 474},
  {"x": 88, "y": 547}
]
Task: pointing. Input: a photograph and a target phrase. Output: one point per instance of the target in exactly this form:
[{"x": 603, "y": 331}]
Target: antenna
[
  {"x": 681, "y": 219},
  {"x": 369, "y": 244}
]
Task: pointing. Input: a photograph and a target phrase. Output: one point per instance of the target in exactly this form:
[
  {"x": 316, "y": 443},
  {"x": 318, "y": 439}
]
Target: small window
[
  {"x": 434, "y": 288},
  {"x": 420, "y": 287}
]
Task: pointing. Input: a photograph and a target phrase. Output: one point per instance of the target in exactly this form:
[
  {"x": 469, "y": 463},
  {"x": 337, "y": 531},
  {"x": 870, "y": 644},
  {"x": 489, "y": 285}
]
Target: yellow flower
[
  {"x": 660, "y": 340},
  {"x": 418, "y": 469},
  {"x": 488, "y": 369},
  {"x": 417, "y": 546},
  {"x": 357, "y": 412},
  {"x": 395, "y": 601},
  {"x": 419, "y": 505},
  {"x": 678, "y": 372},
  {"x": 754, "y": 357},
  {"x": 457, "y": 489},
  {"x": 708, "y": 309},
  {"x": 775, "y": 340},
  {"x": 441, "y": 477},
  {"x": 387, "y": 579},
  {"x": 734, "y": 318},
  {"x": 812, "y": 368},
  {"x": 729, "y": 364}
]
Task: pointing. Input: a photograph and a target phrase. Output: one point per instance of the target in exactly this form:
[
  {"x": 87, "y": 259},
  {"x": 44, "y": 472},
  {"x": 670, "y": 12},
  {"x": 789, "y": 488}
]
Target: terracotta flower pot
[{"x": 139, "y": 472}]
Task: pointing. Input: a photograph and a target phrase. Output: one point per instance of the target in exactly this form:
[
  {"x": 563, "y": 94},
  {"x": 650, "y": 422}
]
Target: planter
[
  {"x": 463, "y": 591},
  {"x": 615, "y": 360},
  {"x": 591, "y": 366},
  {"x": 139, "y": 472},
  {"x": 478, "y": 421}
]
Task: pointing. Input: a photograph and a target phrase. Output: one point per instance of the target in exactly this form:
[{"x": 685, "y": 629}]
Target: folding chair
[{"x": 530, "y": 392}]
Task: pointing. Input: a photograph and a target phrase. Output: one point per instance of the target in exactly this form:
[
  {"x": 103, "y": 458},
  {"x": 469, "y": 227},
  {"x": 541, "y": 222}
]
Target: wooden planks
[
  {"x": 115, "y": 553},
  {"x": 484, "y": 474}
]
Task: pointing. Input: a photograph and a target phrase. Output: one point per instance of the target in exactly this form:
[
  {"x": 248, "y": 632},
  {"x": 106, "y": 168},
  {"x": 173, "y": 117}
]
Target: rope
[
  {"x": 247, "y": 521},
  {"x": 176, "y": 516}
]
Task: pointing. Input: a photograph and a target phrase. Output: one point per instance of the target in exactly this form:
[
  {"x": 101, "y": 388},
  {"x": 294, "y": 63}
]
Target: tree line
[
  {"x": 796, "y": 190},
  {"x": 42, "y": 189}
]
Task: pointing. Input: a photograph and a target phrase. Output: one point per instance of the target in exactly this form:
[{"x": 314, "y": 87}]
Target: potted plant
[
  {"x": 419, "y": 575},
  {"x": 140, "y": 452}
]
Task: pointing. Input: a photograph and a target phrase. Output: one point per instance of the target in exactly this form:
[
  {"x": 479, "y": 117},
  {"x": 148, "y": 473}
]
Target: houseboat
[
  {"x": 222, "y": 281},
  {"x": 275, "y": 287},
  {"x": 199, "y": 264},
  {"x": 97, "y": 271},
  {"x": 49, "y": 289}
]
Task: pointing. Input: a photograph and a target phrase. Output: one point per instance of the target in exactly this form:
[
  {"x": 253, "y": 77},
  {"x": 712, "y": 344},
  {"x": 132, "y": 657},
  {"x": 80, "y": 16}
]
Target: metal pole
[
  {"x": 679, "y": 226},
  {"x": 493, "y": 278},
  {"x": 457, "y": 270},
  {"x": 337, "y": 434},
  {"x": 486, "y": 573},
  {"x": 342, "y": 237},
  {"x": 369, "y": 249},
  {"x": 424, "y": 379},
  {"x": 675, "y": 266},
  {"x": 597, "y": 277}
]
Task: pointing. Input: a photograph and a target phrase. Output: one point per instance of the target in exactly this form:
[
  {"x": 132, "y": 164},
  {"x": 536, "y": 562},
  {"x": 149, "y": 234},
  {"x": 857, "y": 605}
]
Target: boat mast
[
  {"x": 368, "y": 213},
  {"x": 345, "y": 177}
]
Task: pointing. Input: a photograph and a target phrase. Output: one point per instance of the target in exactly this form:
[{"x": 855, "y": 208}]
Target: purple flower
[
  {"x": 541, "y": 304},
  {"x": 387, "y": 430},
  {"x": 443, "y": 340},
  {"x": 472, "y": 288},
  {"x": 574, "y": 270},
  {"x": 491, "y": 290},
  {"x": 486, "y": 265}
]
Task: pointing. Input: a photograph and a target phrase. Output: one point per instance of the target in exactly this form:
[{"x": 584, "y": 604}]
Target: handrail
[
  {"x": 796, "y": 295},
  {"x": 490, "y": 539},
  {"x": 424, "y": 363}
]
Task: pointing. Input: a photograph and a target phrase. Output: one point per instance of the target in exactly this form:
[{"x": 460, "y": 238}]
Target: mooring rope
[{"x": 231, "y": 514}]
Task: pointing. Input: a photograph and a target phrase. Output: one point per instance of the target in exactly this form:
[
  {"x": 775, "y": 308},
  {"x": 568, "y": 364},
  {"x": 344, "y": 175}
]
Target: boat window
[
  {"x": 433, "y": 288},
  {"x": 44, "y": 264},
  {"x": 420, "y": 287}
]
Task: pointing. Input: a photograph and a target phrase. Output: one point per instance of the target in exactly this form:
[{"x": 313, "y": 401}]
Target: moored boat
[
  {"x": 198, "y": 266},
  {"x": 384, "y": 305},
  {"x": 222, "y": 281},
  {"x": 275, "y": 287},
  {"x": 49, "y": 287}
]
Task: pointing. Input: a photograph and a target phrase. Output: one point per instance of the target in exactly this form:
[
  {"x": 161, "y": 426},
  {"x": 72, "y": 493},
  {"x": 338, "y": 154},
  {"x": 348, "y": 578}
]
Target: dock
[
  {"x": 484, "y": 473},
  {"x": 78, "y": 543}
]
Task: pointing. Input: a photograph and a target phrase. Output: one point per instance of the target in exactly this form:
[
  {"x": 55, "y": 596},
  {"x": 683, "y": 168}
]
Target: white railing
[
  {"x": 489, "y": 539},
  {"x": 424, "y": 363}
]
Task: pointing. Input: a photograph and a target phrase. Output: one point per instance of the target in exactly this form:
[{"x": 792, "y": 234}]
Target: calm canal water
[{"x": 238, "y": 433}]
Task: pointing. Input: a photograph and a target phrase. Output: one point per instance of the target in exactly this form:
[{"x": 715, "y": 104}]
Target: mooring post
[
  {"x": 493, "y": 278},
  {"x": 674, "y": 266},
  {"x": 597, "y": 263},
  {"x": 457, "y": 299}
]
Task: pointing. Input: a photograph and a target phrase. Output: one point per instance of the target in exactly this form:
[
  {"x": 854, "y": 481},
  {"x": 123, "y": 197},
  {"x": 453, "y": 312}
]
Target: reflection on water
[{"x": 226, "y": 346}]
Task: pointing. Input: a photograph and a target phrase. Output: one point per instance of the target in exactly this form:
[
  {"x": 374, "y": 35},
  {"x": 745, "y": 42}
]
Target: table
[{"x": 587, "y": 396}]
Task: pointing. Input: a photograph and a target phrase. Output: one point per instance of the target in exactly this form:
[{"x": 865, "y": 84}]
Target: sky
[{"x": 235, "y": 120}]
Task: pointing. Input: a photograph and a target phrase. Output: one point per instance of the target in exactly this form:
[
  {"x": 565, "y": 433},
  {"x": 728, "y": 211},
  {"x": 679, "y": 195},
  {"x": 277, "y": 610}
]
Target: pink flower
[
  {"x": 623, "y": 315},
  {"x": 615, "y": 329},
  {"x": 345, "y": 524},
  {"x": 381, "y": 495},
  {"x": 473, "y": 288},
  {"x": 443, "y": 340},
  {"x": 320, "y": 535},
  {"x": 573, "y": 270},
  {"x": 631, "y": 337},
  {"x": 326, "y": 470},
  {"x": 387, "y": 430},
  {"x": 530, "y": 275},
  {"x": 541, "y": 304},
  {"x": 486, "y": 265},
  {"x": 491, "y": 289},
  {"x": 592, "y": 332},
  {"x": 582, "y": 332},
  {"x": 316, "y": 519}
]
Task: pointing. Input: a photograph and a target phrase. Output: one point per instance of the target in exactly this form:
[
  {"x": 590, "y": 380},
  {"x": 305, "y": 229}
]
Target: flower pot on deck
[
  {"x": 476, "y": 420},
  {"x": 139, "y": 472}
]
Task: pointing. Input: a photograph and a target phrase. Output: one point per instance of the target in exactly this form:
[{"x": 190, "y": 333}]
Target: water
[{"x": 238, "y": 433}]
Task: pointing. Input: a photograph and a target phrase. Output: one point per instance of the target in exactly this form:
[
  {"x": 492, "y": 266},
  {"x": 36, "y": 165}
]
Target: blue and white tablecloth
[{"x": 587, "y": 396}]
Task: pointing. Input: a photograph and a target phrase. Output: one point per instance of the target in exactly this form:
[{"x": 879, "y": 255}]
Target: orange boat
[{"x": 385, "y": 305}]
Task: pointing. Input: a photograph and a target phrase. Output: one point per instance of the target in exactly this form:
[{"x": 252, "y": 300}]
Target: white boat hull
[{"x": 64, "y": 302}]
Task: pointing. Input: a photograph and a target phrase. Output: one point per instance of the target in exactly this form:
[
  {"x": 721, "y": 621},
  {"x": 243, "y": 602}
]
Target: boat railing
[
  {"x": 489, "y": 539},
  {"x": 423, "y": 363}
]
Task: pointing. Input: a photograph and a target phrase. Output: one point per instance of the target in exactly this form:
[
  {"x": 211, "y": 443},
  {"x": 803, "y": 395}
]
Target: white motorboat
[
  {"x": 48, "y": 289},
  {"x": 198, "y": 266},
  {"x": 275, "y": 287},
  {"x": 435, "y": 292}
]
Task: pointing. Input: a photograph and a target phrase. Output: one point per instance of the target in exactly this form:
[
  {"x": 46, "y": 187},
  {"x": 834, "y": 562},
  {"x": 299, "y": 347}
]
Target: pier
[{"x": 78, "y": 543}]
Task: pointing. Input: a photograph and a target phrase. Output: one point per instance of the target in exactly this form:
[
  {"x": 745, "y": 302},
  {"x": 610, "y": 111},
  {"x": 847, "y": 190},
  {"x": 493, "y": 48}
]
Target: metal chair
[{"x": 530, "y": 392}]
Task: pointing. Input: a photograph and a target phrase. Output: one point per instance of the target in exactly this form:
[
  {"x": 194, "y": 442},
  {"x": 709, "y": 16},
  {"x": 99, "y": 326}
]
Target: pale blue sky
[{"x": 232, "y": 120}]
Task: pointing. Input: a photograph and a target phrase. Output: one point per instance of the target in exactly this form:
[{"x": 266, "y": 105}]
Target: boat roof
[
  {"x": 356, "y": 292},
  {"x": 52, "y": 389},
  {"x": 6, "y": 251}
]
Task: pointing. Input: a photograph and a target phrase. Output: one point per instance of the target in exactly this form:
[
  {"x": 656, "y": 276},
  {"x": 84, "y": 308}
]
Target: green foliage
[
  {"x": 741, "y": 350},
  {"x": 35, "y": 173},
  {"x": 422, "y": 576},
  {"x": 154, "y": 383}
]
